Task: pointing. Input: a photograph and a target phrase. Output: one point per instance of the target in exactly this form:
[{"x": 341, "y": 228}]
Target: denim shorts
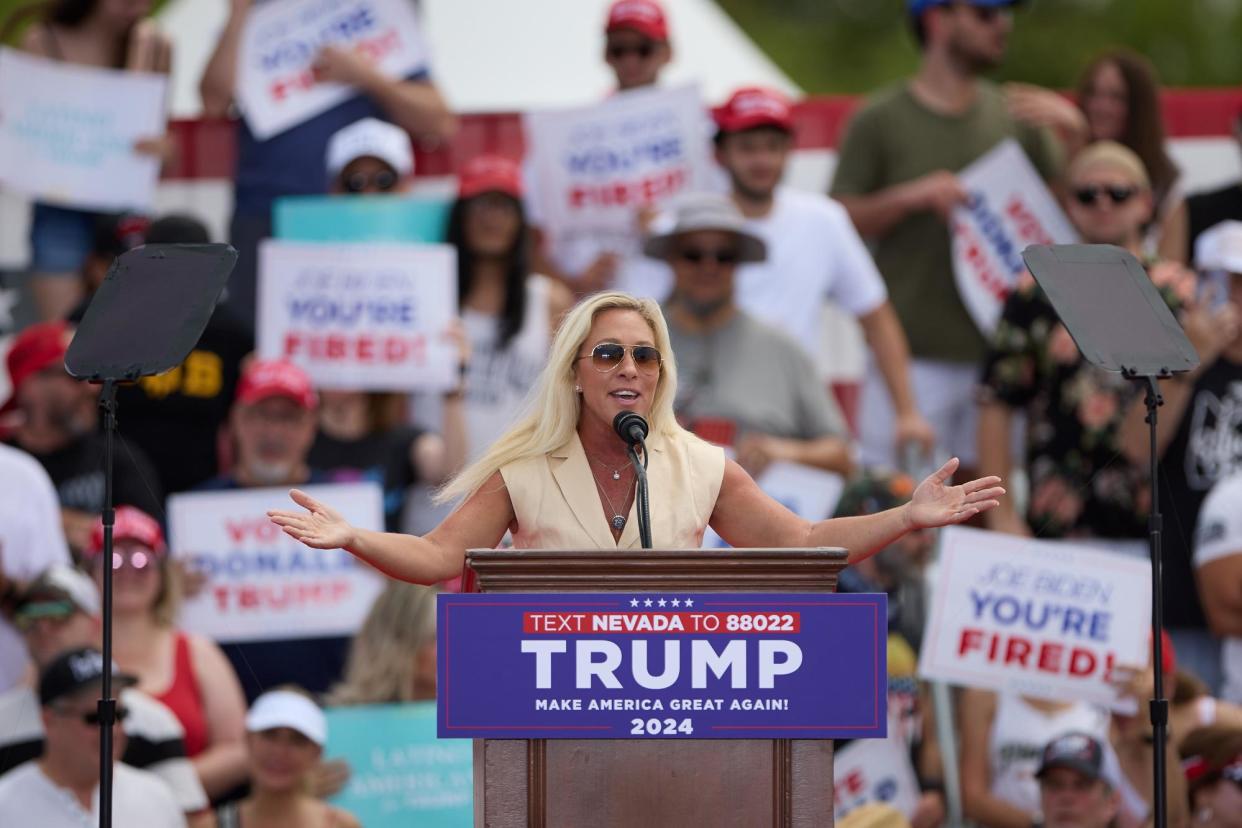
[{"x": 60, "y": 239}]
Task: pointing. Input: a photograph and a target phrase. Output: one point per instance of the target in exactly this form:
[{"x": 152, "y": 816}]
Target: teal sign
[
  {"x": 379, "y": 218},
  {"x": 400, "y": 773}
]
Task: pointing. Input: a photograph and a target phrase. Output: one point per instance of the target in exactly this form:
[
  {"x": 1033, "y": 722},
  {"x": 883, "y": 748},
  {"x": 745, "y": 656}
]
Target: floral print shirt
[{"x": 1080, "y": 483}]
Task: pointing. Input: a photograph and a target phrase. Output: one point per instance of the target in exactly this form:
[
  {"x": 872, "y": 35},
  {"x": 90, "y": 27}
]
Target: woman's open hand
[
  {"x": 935, "y": 503},
  {"x": 319, "y": 527}
]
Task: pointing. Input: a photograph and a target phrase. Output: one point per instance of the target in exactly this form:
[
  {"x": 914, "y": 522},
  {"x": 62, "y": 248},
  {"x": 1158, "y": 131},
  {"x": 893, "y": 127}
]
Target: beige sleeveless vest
[{"x": 557, "y": 504}]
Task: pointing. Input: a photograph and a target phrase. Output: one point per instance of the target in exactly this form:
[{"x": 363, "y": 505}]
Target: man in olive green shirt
[{"x": 897, "y": 177}]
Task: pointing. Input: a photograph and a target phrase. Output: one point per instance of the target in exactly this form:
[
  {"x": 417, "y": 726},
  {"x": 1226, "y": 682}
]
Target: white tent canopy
[{"x": 509, "y": 55}]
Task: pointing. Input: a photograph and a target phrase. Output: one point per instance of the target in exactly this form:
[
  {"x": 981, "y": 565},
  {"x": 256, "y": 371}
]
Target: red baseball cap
[
  {"x": 753, "y": 107},
  {"x": 490, "y": 174},
  {"x": 643, "y": 16},
  {"x": 130, "y": 524},
  {"x": 265, "y": 378},
  {"x": 35, "y": 348}
]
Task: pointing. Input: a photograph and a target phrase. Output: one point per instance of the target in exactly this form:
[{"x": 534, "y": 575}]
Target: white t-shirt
[
  {"x": 1218, "y": 534},
  {"x": 814, "y": 255},
  {"x": 31, "y": 540},
  {"x": 28, "y": 797},
  {"x": 155, "y": 741}
]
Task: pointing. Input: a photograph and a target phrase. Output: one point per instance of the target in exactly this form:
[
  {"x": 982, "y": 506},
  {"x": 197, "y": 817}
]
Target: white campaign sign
[
  {"x": 262, "y": 585},
  {"x": 276, "y": 85},
  {"x": 1048, "y": 619},
  {"x": 370, "y": 317},
  {"x": 1010, "y": 208},
  {"x": 594, "y": 167},
  {"x": 873, "y": 770},
  {"x": 67, "y": 132},
  {"x": 806, "y": 491}
]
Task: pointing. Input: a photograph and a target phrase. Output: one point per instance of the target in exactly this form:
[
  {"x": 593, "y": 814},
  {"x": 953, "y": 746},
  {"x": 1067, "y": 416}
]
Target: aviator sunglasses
[
  {"x": 92, "y": 717},
  {"x": 1087, "y": 196},
  {"x": 606, "y": 356},
  {"x": 618, "y": 51}
]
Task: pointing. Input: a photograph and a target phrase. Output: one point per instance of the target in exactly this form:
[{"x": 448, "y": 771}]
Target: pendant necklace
[
  {"x": 616, "y": 473},
  {"x": 618, "y": 519}
]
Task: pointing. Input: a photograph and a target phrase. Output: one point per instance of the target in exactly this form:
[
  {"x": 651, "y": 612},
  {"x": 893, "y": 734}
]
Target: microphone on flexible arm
[{"x": 632, "y": 428}]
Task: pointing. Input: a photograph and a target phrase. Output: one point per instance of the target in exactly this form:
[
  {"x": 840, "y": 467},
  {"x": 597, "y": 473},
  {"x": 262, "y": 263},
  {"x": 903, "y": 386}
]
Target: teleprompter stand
[
  {"x": 145, "y": 318},
  {"x": 1120, "y": 323}
]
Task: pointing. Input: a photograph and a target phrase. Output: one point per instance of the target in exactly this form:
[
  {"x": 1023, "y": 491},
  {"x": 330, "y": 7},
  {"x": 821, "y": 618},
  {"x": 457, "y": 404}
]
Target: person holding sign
[
  {"x": 92, "y": 33},
  {"x": 897, "y": 177},
  {"x": 560, "y": 477},
  {"x": 741, "y": 375},
  {"x": 291, "y": 161}
]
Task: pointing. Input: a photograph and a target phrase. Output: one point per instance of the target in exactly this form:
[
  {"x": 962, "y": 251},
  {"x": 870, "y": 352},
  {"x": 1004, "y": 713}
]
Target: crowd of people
[{"x": 226, "y": 733}]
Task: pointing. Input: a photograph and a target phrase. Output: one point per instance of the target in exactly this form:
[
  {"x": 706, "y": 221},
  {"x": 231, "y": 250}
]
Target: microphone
[{"x": 630, "y": 427}]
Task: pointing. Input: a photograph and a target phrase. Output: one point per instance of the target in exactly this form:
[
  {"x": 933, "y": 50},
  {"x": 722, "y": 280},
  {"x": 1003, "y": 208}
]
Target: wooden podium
[{"x": 619, "y": 783}]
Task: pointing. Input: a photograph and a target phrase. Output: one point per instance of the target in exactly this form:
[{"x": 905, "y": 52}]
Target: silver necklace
[
  {"x": 616, "y": 473},
  {"x": 618, "y": 519}
]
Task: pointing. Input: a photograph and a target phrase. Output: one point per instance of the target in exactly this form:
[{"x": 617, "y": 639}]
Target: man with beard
[
  {"x": 897, "y": 178},
  {"x": 54, "y": 418},
  {"x": 742, "y": 383}
]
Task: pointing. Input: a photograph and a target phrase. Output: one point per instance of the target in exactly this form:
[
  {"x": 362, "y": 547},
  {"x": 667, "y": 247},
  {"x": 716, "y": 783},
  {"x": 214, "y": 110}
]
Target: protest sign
[
  {"x": 276, "y": 84},
  {"x": 557, "y": 666},
  {"x": 806, "y": 491},
  {"x": 873, "y": 770},
  {"x": 596, "y": 166},
  {"x": 1048, "y": 619},
  {"x": 263, "y": 585},
  {"x": 400, "y": 774},
  {"x": 1009, "y": 208},
  {"x": 360, "y": 218},
  {"x": 367, "y": 317},
  {"x": 67, "y": 132}
]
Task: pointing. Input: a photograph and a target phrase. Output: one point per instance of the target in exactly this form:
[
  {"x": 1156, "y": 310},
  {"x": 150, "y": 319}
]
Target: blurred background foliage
[{"x": 850, "y": 46}]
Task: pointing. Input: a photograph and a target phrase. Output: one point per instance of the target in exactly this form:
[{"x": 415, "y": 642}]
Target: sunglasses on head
[
  {"x": 606, "y": 356},
  {"x": 92, "y": 717},
  {"x": 696, "y": 255},
  {"x": 617, "y": 51},
  {"x": 1089, "y": 195},
  {"x": 382, "y": 180}
]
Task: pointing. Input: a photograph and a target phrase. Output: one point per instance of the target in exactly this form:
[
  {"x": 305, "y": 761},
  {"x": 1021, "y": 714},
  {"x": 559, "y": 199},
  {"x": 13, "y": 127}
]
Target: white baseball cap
[
  {"x": 285, "y": 708},
  {"x": 1220, "y": 247},
  {"x": 371, "y": 136}
]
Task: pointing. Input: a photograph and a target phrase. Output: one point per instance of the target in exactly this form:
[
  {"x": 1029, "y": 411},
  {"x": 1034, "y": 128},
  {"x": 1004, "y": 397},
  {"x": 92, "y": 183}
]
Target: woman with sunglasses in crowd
[
  {"x": 560, "y": 477},
  {"x": 187, "y": 672},
  {"x": 106, "y": 34}
]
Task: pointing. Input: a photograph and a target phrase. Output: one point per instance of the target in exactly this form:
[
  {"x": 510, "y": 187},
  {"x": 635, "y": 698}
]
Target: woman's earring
[{"x": 577, "y": 389}]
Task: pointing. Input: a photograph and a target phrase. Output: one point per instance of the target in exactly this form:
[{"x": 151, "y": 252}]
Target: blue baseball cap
[{"x": 920, "y": 6}]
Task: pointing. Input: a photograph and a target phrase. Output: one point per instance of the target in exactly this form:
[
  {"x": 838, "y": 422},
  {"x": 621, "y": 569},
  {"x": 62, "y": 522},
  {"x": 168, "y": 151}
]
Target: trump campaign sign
[
  {"x": 366, "y": 317},
  {"x": 263, "y": 585},
  {"x": 276, "y": 84},
  {"x": 671, "y": 665},
  {"x": 595, "y": 167},
  {"x": 1008, "y": 208},
  {"x": 1042, "y": 618},
  {"x": 67, "y": 132}
]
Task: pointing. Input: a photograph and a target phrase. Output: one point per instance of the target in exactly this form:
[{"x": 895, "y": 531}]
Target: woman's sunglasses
[
  {"x": 136, "y": 559},
  {"x": 1088, "y": 196},
  {"x": 606, "y": 356},
  {"x": 383, "y": 180}
]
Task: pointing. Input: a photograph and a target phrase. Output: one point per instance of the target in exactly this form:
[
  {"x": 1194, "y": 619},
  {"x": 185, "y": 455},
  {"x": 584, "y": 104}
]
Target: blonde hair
[
  {"x": 381, "y": 663},
  {"x": 1110, "y": 154},
  {"x": 550, "y": 415}
]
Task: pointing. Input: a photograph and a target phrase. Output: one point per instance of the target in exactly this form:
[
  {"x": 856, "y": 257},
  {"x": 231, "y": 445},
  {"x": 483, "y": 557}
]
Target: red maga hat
[
  {"x": 643, "y": 16},
  {"x": 490, "y": 174},
  {"x": 753, "y": 107},
  {"x": 37, "y": 347},
  {"x": 266, "y": 378}
]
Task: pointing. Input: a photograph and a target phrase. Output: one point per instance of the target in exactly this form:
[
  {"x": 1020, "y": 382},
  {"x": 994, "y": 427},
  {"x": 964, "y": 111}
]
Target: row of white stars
[{"x": 689, "y": 602}]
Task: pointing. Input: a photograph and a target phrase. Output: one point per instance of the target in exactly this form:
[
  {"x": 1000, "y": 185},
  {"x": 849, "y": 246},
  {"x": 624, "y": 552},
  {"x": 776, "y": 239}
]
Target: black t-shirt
[
  {"x": 383, "y": 456},
  {"x": 77, "y": 472},
  {"x": 1206, "y": 448},
  {"x": 1205, "y": 210},
  {"x": 176, "y": 417}
]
